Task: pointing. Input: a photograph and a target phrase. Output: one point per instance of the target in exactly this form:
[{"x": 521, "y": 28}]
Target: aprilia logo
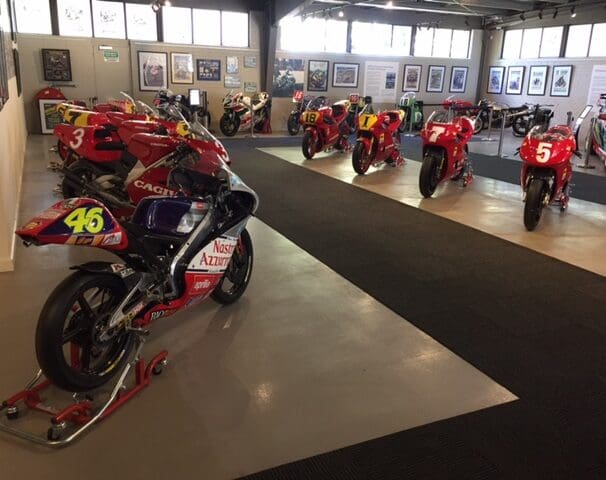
[{"x": 157, "y": 189}]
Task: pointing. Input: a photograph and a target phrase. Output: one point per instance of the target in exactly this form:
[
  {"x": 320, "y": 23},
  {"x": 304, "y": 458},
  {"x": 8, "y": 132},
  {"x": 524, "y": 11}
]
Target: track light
[
  {"x": 389, "y": 4},
  {"x": 341, "y": 14},
  {"x": 555, "y": 13},
  {"x": 572, "y": 12},
  {"x": 522, "y": 16},
  {"x": 540, "y": 14},
  {"x": 156, "y": 5}
]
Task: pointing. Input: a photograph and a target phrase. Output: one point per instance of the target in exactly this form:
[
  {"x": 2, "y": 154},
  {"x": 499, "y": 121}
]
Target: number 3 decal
[
  {"x": 78, "y": 138},
  {"x": 543, "y": 152},
  {"x": 82, "y": 219}
]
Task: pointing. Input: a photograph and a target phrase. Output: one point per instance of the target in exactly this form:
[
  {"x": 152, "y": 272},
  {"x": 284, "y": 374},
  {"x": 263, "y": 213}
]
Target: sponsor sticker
[
  {"x": 215, "y": 257},
  {"x": 112, "y": 239},
  {"x": 32, "y": 225},
  {"x": 50, "y": 214}
]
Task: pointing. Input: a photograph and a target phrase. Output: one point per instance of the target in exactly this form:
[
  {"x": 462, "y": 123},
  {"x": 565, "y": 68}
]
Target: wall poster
[
  {"x": 232, "y": 65},
  {"x": 412, "y": 78},
  {"x": 181, "y": 68},
  {"x": 515, "y": 80},
  {"x": 537, "y": 80},
  {"x": 458, "y": 80},
  {"x": 380, "y": 80},
  {"x": 49, "y": 117},
  {"x": 435, "y": 78},
  {"x": 288, "y": 76},
  {"x": 250, "y": 61},
  {"x": 495, "y": 80},
  {"x": 232, "y": 81},
  {"x": 597, "y": 85},
  {"x": 250, "y": 87},
  {"x": 208, "y": 70},
  {"x": 345, "y": 75},
  {"x": 561, "y": 80},
  {"x": 153, "y": 71},
  {"x": 57, "y": 65},
  {"x": 317, "y": 76}
]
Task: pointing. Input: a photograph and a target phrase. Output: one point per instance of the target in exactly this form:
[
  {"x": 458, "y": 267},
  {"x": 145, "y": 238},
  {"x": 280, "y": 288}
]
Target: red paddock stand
[{"x": 69, "y": 423}]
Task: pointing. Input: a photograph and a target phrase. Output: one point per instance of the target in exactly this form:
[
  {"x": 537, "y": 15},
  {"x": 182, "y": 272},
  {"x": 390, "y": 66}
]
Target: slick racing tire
[
  {"x": 292, "y": 124},
  {"x": 236, "y": 277},
  {"x": 360, "y": 160},
  {"x": 229, "y": 127},
  {"x": 84, "y": 171},
  {"x": 309, "y": 146},
  {"x": 69, "y": 347},
  {"x": 533, "y": 207},
  {"x": 429, "y": 177}
]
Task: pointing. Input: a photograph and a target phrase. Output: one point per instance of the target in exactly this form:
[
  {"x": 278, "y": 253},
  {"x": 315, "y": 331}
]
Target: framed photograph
[
  {"x": 412, "y": 78},
  {"x": 49, "y": 117},
  {"x": 515, "y": 80},
  {"x": 232, "y": 81},
  {"x": 458, "y": 80},
  {"x": 561, "y": 80},
  {"x": 232, "y": 65},
  {"x": 181, "y": 68},
  {"x": 435, "y": 78},
  {"x": 250, "y": 61},
  {"x": 208, "y": 70},
  {"x": 317, "y": 76},
  {"x": 57, "y": 65},
  {"x": 495, "y": 80},
  {"x": 345, "y": 75},
  {"x": 288, "y": 76},
  {"x": 153, "y": 74},
  {"x": 537, "y": 80},
  {"x": 250, "y": 87}
]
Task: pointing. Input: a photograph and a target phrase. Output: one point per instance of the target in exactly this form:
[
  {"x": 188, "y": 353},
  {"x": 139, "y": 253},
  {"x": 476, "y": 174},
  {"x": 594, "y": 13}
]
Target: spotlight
[
  {"x": 522, "y": 16},
  {"x": 156, "y": 5},
  {"x": 572, "y": 12},
  {"x": 341, "y": 14},
  {"x": 467, "y": 21},
  {"x": 555, "y": 13},
  {"x": 389, "y": 4},
  {"x": 541, "y": 15}
]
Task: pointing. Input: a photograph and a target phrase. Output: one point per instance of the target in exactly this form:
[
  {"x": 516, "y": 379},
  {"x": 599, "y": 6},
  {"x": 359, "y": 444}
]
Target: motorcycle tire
[
  {"x": 359, "y": 159},
  {"x": 309, "y": 146},
  {"x": 238, "y": 272},
  {"x": 228, "y": 126},
  {"x": 520, "y": 126},
  {"x": 292, "y": 124},
  {"x": 82, "y": 169},
  {"x": 429, "y": 177},
  {"x": 533, "y": 207},
  {"x": 478, "y": 125},
  {"x": 68, "y": 327}
]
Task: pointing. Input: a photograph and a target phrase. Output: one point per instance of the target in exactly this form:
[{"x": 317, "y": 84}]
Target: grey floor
[{"x": 304, "y": 363}]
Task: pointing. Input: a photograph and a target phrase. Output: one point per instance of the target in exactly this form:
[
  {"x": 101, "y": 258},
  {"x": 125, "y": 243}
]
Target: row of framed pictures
[
  {"x": 411, "y": 81},
  {"x": 153, "y": 69},
  {"x": 561, "y": 79}
]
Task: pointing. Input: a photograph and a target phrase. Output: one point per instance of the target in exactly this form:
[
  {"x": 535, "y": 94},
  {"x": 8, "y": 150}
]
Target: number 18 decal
[{"x": 543, "y": 152}]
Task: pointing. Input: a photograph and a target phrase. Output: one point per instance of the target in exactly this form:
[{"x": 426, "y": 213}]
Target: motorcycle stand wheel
[
  {"x": 429, "y": 177},
  {"x": 535, "y": 202},
  {"x": 238, "y": 273},
  {"x": 309, "y": 145},
  {"x": 360, "y": 159}
]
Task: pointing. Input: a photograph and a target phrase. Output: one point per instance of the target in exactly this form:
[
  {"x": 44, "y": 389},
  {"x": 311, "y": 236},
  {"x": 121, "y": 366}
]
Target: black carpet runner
[{"x": 534, "y": 324}]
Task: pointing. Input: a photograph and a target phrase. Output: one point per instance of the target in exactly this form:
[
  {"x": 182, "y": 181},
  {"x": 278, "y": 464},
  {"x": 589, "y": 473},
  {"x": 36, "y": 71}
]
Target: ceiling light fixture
[
  {"x": 540, "y": 14},
  {"x": 572, "y": 12},
  {"x": 156, "y": 5},
  {"x": 555, "y": 13},
  {"x": 341, "y": 13},
  {"x": 389, "y": 4},
  {"x": 522, "y": 16}
]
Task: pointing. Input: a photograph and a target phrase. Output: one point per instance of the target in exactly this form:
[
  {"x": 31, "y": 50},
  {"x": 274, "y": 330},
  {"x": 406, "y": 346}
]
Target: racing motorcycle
[
  {"x": 164, "y": 99},
  {"x": 240, "y": 111},
  {"x": 526, "y": 118},
  {"x": 547, "y": 168},
  {"x": 176, "y": 252},
  {"x": 445, "y": 154},
  {"x": 413, "y": 112},
  {"x": 301, "y": 102},
  {"x": 325, "y": 127},
  {"x": 597, "y": 134},
  {"x": 378, "y": 140}
]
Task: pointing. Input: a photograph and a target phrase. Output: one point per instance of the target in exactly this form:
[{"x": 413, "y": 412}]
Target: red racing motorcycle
[
  {"x": 325, "y": 127},
  {"x": 547, "y": 168},
  {"x": 445, "y": 153}
]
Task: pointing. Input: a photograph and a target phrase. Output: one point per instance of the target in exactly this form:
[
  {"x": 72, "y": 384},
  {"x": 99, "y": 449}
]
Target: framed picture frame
[
  {"x": 49, "y": 117},
  {"x": 495, "y": 80},
  {"x": 153, "y": 70},
  {"x": 537, "y": 80},
  {"x": 515, "y": 80},
  {"x": 232, "y": 65},
  {"x": 317, "y": 75},
  {"x": 435, "y": 78},
  {"x": 181, "y": 68},
  {"x": 458, "y": 80},
  {"x": 208, "y": 70},
  {"x": 250, "y": 61},
  {"x": 345, "y": 75},
  {"x": 232, "y": 81},
  {"x": 561, "y": 78},
  {"x": 411, "y": 81},
  {"x": 57, "y": 65}
]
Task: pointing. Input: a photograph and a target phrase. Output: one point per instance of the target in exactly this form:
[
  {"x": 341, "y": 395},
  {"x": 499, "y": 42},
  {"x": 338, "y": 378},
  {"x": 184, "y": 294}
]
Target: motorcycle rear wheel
[
  {"x": 360, "y": 160},
  {"x": 68, "y": 347},
  {"x": 228, "y": 126},
  {"x": 83, "y": 170},
  {"x": 236, "y": 277},
  {"x": 292, "y": 124},
  {"x": 429, "y": 177},
  {"x": 533, "y": 207},
  {"x": 309, "y": 145},
  {"x": 520, "y": 126}
]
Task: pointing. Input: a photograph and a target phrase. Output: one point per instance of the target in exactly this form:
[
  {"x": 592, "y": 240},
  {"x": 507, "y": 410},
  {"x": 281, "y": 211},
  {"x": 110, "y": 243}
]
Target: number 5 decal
[
  {"x": 543, "y": 152},
  {"x": 78, "y": 138}
]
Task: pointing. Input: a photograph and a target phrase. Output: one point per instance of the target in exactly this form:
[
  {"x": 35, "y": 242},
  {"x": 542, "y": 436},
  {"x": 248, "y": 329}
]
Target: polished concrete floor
[
  {"x": 304, "y": 363},
  {"x": 577, "y": 236}
]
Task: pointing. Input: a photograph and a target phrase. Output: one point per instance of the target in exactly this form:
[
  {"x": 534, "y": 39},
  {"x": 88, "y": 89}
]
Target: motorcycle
[
  {"x": 597, "y": 139},
  {"x": 484, "y": 109},
  {"x": 526, "y": 118},
  {"x": 325, "y": 127},
  {"x": 378, "y": 140},
  {"x": 547, "y": 167},
  {"x": 445, "y": 153},
  {"x": 190, "y": 110},
  {"x": 176, "y": 252},
  {"x": 413, "y": 112},
  {"x": 301, "y": 102},
  {"x": 240, "y": 111}
]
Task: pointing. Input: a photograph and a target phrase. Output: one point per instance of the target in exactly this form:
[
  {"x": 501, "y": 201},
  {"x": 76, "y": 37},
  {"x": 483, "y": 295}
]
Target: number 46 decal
[{"x": 82, "y": 219}]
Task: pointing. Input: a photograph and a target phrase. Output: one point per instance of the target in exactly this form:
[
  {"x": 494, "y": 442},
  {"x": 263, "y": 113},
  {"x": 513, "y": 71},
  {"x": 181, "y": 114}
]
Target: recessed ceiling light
[
  {"x": 572, "y": 12},
  {"x": 341, "y": 14}
]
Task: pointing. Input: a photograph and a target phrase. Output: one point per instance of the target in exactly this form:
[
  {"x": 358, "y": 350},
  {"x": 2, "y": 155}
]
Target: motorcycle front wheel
[
  {"x": 69, "y": 347},
  {"x": 520, "y": 126},
  {"x": 292, "y": 124},
  {"x": 535, "y": 197},
  {"x": 309, "y": 145},
  {"x": 236, "y": 277},
  {"x": 429, "y": 177},
  {"x": 229, "y": 126},
  {"x": 360, "y": 160}
]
